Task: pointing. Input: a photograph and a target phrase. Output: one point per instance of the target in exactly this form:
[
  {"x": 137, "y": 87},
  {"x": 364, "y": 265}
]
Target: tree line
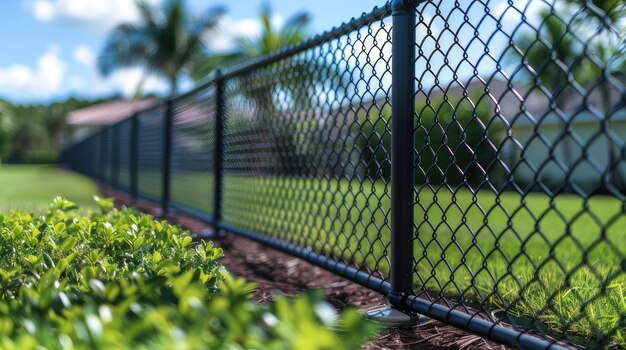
[{"x": 33, "y": 133}]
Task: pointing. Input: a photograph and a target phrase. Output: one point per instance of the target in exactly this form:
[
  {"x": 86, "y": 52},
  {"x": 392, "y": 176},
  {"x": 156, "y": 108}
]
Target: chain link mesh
[
  {"x": 151, "y": 133},
  {"x": 304, "y": 162},
  {"x": 193, "y": 149},
  {"x": 106, "y": 155},
  {"x": 124, "y": 160},
  {"x": 519, "y": 159},
  {"x": 94, "y": 155},
  {"x": 519, "y": 150}
]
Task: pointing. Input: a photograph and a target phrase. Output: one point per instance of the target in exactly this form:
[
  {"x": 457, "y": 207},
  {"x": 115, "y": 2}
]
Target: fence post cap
[{"x": 400, "y": 6}]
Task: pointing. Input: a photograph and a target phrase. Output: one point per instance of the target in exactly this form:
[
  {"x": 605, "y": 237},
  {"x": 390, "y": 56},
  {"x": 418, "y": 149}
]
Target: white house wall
[{"x": 545, "y": 159}]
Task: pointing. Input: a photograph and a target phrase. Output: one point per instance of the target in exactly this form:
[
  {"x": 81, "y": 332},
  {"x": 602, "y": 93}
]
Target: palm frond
[
  {"x": 126, "y": 46},
  {"x": 165, "y": 40},
  {"x": 208, "y": 21},
  {"x": 294, "y": 30},
  {"x": 148, "y": 14},
  {"x": 205, "y": 65}
]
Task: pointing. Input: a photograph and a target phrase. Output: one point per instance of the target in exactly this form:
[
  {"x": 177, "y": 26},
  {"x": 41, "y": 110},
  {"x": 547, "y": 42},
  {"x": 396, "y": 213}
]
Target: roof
[{"x": 107, "y": 113}]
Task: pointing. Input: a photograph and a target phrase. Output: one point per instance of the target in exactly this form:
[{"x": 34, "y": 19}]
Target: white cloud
[
  {"x": 42, "y": 80},
  {"x": 43, "y": 10},
  {"x": 511, "y": 15},
  {"x": 123, "y": 81},
  {"x": 100, "y": 15},
  {"x": 126, "y": 81},
  {"x": 49, "y": 78},
  {"x": 85, "y": 56},
  {"x": 222, "y": 39}
]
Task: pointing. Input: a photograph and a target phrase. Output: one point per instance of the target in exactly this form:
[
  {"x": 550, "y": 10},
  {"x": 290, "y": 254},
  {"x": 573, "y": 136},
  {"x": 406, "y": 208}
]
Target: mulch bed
[{"x": 276, "y": 272}]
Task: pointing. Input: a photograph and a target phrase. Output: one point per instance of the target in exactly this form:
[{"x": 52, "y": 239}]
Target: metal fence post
[
  {"x": 219, "y": 150},
  {"x": 134, "y": 155},
  {"x": 96, "y": 158},
  {"x": 115, "y": 156},
  {"x": 102, "y": 155},
  {"x": 92, "y": 157},
  {"x": 167, "y": 155},
  {"x": 108, "y": 170},
  {"x": 402, "y": 148},
  {"x": 402, "y": 145}
]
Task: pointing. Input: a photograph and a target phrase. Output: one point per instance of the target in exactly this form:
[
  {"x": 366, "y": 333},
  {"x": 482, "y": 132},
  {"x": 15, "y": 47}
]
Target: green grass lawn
[
  {"x": 32, "y": 187},
  {"x": 535, "y": 256}
]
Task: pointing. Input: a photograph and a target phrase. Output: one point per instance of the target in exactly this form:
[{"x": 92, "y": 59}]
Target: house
[
  {"x": 592, "y": 150},
  {"x": 85, "y": 121},
  {"x": 575, "y": 139}
]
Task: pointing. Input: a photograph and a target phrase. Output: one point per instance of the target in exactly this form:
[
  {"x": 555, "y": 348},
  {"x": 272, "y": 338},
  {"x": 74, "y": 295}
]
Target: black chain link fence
[{"x": 501, "y": 209}]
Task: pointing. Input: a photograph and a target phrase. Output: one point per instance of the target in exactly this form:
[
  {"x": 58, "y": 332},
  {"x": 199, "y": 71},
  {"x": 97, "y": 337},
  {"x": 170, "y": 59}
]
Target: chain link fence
[{"x": 466, "y": 159}]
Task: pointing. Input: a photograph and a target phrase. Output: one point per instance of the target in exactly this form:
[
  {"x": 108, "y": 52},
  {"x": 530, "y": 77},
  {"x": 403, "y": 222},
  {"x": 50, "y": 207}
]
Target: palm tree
[
  {"x": 272, "y": 39},
  {"x": 549, "y": 55},
  {"x": 262, "y": 86},
  {"x": 165, "y": 41},
  {"x": 605, "y": 20},
  {"x": 302, "y": 78},
  {"x": 604, "y": 14},
  {"x": 277, "y": 98}
]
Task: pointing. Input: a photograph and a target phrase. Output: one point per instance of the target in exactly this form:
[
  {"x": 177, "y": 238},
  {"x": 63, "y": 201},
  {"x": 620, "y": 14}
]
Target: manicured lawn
[{"x": 32, "y": 187}]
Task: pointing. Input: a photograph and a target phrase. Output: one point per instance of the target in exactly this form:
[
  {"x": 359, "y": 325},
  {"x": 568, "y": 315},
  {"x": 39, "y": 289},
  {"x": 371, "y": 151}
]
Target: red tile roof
[{"x": 107, "y": 113}]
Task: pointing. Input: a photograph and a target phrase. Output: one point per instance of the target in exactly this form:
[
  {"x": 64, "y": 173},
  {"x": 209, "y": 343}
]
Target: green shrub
[{"x": 119, "y": 279}]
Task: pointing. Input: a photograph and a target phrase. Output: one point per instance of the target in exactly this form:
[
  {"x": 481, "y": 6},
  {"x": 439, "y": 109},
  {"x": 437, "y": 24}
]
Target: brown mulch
[{"x": 276, "y": 272}]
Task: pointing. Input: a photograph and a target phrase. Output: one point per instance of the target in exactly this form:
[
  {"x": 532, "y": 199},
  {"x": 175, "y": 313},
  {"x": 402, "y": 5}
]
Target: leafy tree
[
  {"x": 34, "y": 133},
  {"x": 7, "y": 123},
  {"x": 29, "y": 135},
  {"x": 604, "y": 14},
  {"x": 165, "y": 40}
]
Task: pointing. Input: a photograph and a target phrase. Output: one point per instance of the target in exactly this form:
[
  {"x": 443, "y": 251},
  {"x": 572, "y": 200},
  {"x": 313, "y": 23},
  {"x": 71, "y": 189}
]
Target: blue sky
[{"x": 49, "y": 47}]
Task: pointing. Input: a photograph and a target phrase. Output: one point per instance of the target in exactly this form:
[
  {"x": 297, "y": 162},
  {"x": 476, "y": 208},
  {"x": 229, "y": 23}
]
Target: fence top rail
[
  {"x": 152, "y": 108},
  {"x": 377, "y": 13}
]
